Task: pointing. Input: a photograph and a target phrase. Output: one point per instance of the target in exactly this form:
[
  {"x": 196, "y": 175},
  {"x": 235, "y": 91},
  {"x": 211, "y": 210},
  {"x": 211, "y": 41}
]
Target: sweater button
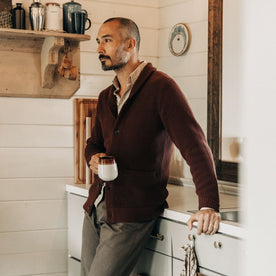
[{"x": 116, "y": 131}]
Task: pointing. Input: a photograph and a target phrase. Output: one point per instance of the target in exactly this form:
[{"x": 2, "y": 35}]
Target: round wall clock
[{"x": 179, "y": 39}]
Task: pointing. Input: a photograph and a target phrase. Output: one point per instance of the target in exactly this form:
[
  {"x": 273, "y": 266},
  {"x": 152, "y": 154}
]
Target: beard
[{"x": 116, "y": 66}]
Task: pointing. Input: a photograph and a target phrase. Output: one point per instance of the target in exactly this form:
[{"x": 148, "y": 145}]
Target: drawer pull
[
  {"x": 217, "y": 244},
  {"x": 158, "y": 237},
  {"x": 191, "y": 237}
]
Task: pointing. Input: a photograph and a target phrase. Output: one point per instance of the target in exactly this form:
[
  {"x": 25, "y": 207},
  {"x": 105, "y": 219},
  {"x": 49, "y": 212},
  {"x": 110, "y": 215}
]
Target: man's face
[{"x": 112, "y": 46}]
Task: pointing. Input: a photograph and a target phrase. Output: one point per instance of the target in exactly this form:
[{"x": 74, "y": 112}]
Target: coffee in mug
[{"x": 107, "y": 168}]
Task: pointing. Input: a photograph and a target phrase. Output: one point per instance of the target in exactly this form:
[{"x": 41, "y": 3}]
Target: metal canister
[
  {"x": 37, "y": 15},
  {"x": 53, "y": 21}
]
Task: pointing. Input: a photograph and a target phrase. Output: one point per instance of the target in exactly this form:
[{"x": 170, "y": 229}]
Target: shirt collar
[{"x": 131, "y": 79}]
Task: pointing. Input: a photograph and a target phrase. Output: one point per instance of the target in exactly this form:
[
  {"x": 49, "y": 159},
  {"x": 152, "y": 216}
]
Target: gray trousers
[{"x": 111, "y": 249}]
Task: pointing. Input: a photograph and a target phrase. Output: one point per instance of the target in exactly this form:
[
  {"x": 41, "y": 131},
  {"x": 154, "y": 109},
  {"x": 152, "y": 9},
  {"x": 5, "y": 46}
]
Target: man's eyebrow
[{"x": 104, "y": 36}]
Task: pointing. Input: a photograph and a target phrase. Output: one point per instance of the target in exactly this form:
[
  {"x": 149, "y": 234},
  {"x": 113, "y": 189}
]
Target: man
[{"x": 138, "y": 119}]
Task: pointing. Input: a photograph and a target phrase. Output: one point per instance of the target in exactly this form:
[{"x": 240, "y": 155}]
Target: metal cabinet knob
[
  {"x": 217, "y": 244},
  {"x": 191, "y": 237},
  {"x": 157, "y": 236}
]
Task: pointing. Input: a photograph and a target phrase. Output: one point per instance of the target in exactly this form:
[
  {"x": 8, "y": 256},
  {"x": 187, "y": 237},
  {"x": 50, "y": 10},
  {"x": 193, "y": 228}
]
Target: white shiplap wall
[
  {"x": 189, "y": 70},
  {"x": 36, "y": 135},
  {"x": 36, "y": 152}
]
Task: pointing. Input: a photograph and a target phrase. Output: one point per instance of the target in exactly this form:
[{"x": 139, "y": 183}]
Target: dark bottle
[{"x": 18, "y": 17}]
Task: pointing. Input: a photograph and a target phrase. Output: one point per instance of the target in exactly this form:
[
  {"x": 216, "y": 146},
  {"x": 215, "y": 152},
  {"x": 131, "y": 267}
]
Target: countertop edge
[{"x": 227, "y": 228}]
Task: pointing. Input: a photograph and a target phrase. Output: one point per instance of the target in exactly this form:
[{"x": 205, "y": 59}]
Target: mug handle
[{"x": 89, "y": 21}]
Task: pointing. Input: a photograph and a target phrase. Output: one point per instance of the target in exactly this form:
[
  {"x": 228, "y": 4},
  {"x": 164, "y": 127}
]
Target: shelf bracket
[{"x": 50, "y": 59}]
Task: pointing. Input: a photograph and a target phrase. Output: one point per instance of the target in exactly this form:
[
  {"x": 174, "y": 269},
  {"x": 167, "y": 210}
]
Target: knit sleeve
[
  {"x": 95, "y": 143},
  {"x": 182, "y": 127}
]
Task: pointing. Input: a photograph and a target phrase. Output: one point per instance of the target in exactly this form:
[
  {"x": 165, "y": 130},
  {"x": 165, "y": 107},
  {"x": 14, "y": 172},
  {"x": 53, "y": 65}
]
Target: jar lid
[{"x": 52, "y": 4}]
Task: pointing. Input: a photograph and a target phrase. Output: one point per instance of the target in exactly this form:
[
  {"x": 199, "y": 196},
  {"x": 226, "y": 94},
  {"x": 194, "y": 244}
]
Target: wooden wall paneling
[
  {"x": 33, "y": 215},
  {"x": 33, "y": 188},
  {"x": 88, "y": 58},
  {"x": 36, "y": 136},
  {"x": 92, "y": 85},
  {"x": 193, "y": 87},
  {"x": 83, "y": 108},
  {"x": 187, "y": 65},
  {"x": 33, "y": 241},
  {"x": 36, "y": 111},
  {"x": 143, "y": 3},
  {"x": 191, "y": 11},
  {"x": 36, "y": 162},
  {"x": 34, "y": 263},
  {"x": 142, "y": 15}
]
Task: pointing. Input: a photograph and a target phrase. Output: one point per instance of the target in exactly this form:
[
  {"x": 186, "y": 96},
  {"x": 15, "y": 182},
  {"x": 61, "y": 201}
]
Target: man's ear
[{"x": 131, "y": 43}]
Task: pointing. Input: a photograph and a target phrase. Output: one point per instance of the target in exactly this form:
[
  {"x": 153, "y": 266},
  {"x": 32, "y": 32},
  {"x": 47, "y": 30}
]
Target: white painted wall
[{"x": 189, "y": 70}]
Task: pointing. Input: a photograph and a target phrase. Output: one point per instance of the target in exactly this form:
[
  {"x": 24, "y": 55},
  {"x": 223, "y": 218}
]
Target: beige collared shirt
[{"x": 130, "y": 83}]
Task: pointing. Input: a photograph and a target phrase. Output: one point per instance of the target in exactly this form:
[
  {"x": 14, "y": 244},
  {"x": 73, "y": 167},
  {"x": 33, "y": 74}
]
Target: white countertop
[{"x": 180, "y": 200}]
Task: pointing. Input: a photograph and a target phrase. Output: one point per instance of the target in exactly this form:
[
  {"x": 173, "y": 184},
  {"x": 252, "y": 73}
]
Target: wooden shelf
[
  {"x": 29, "y": 62},
  {"x": 29, "y": 34}
]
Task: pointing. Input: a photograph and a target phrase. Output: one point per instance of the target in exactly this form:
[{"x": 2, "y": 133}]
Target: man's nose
[{"x": 100, "y": 49}]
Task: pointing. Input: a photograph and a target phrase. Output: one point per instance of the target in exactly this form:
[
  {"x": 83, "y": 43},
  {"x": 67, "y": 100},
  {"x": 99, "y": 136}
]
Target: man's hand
[
  {"x": 94, "y": 162},
  {"x": 207, "y": 221}
]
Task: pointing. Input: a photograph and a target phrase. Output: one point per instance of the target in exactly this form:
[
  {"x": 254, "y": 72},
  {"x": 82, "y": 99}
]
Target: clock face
[{"x": 179, "y": 39}]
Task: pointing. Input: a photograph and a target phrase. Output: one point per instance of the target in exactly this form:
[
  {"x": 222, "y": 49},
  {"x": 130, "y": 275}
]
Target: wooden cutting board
[{"x": 84, "y": 111}]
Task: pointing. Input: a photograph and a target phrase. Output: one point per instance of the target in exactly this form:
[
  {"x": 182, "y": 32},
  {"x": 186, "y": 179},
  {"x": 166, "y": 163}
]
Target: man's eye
[{"x": 107, "y": 40}]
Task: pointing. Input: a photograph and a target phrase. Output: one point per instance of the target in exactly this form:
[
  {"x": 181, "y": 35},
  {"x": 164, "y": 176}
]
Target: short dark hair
[{"x": 131, "y": 27}]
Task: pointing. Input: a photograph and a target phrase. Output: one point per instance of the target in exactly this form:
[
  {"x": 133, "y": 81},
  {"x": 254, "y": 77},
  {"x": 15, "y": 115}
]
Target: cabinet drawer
[
  {"x": 160, "y": 239},
  {"x": 217, "y": 252},
  {"x": 153, "y": 264},
  {"x": 75, "y": 222}
]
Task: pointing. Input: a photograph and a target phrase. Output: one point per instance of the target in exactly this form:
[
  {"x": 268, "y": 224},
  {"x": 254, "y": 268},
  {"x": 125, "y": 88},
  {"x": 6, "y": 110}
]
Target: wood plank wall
[
  {"x": 189, "y": 70},
  {"x": 37, "y": 152}
]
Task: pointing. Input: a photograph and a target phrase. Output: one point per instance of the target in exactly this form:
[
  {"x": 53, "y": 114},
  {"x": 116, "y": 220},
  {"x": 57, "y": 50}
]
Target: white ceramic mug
[{"x": 107, "y": 168}]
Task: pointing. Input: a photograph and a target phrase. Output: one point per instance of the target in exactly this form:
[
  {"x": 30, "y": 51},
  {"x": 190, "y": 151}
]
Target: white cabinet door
[
  {"x": 219, "y": 253},
  {"x": 153, "y": 264},
  {"x": 160, "y": 240},
  {"x": 74, "y": 267},
  {"x": 75, "y": 222}
]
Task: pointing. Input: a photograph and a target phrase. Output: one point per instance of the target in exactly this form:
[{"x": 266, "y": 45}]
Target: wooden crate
[{"x": 85, "y": 114}]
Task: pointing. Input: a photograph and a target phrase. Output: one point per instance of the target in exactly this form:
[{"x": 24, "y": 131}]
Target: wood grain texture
[
  {"x": 35, "y": 68},
  {"x": 227, "y": 171},
  {"x": 83, "y": 108}
]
